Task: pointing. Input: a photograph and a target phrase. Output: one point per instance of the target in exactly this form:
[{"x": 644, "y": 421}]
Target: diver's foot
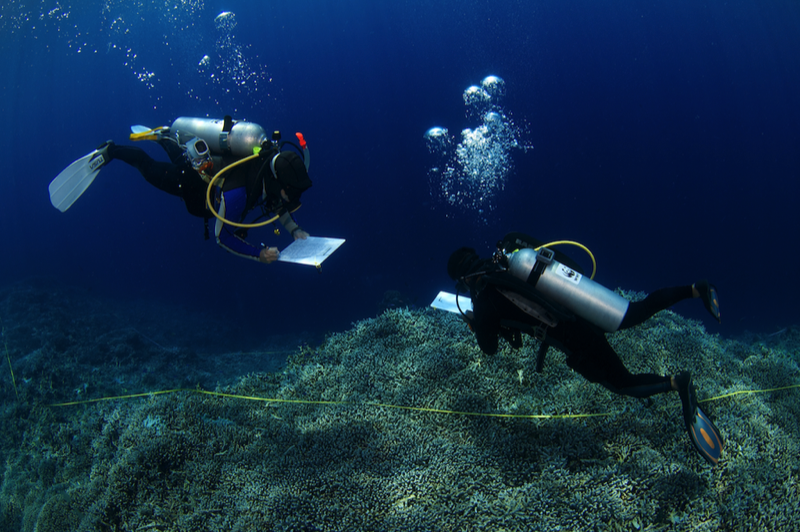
[
  {"x": 708, "y": 293},
  {"x": 102, "y": 157}
]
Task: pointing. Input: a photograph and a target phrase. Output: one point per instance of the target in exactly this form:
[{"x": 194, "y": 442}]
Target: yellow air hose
[
  {"x": 572, "y": 243},
  {"x": 152, "y": 134},
  {"x": 211, "y": 206}
]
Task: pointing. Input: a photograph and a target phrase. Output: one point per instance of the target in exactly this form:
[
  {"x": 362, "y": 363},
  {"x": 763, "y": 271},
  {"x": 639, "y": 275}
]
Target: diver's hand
[
  {"x": 299, "y": 234},
  {"x": 268, "y": 255}
]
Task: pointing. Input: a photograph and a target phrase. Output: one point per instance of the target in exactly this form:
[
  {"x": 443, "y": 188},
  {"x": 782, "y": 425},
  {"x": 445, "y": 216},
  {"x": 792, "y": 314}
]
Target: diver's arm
[
  {"x": 231, "y": 207},
  {"x": 290, "y": 225},
  {"x": 487, "y": 340}
]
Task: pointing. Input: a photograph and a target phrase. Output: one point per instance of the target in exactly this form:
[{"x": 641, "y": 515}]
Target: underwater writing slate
[
  {"x": 312, "y": 251},
  {"x": 447, "y": 301}
]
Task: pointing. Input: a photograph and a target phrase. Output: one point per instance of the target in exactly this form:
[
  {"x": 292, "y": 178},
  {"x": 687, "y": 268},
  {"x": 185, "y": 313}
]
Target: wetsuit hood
[
  {"x": 461, "y": 262},
  {"x": 291, "y": 174}
]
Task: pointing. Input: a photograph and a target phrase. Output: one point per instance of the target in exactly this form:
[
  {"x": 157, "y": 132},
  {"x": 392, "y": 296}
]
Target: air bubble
[
  {"x": 495, "y": 87},
  {"x": 472, "y": 173},
  {"x": 437, "y": 140}
]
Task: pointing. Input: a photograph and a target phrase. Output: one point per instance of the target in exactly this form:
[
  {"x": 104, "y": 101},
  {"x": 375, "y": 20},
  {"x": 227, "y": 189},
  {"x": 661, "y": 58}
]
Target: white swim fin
[{"x": 73, "y": 181}]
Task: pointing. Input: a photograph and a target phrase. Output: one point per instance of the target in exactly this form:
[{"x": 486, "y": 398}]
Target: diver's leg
[
  {"x": 159, "y": 174},
  {"x": 640, "y": 385},
  {"x": 596, "y": 360},
  {"x": 704, "y": 434},
  {"x": 663, "y": 298},
  {"x": 607, "y": 370},
  {"x": 174, "y": 151},
  {"x": 589, "y": 353},
  {"x": 639, "y": 311}
]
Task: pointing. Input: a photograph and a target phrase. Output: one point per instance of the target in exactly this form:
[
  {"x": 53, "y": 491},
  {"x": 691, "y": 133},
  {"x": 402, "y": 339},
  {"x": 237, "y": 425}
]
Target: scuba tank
[
  {"x": 569, "y": 288},
  {"x": 224, "y": 137}
]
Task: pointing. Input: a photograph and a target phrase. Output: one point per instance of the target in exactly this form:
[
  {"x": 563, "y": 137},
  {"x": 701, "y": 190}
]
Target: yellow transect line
[{"x": 385, "y": 405}]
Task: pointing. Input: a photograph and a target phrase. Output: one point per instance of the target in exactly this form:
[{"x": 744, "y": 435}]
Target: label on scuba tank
[{"x": 568, "y": 274}]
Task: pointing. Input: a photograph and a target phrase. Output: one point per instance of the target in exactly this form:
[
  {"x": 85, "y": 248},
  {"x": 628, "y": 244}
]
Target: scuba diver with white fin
[
  {"x": 221, "y": 169},
  {"x": 528, "y": 287}
]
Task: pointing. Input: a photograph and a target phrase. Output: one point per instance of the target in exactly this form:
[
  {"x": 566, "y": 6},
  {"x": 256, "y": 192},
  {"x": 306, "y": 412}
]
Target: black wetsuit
[
  {"x": 587, "y": 349},
  {"x": 177, "y": 177}
]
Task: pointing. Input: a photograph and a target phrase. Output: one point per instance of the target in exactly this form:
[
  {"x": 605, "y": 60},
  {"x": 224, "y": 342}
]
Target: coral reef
[{"x": 336, "y": 453}]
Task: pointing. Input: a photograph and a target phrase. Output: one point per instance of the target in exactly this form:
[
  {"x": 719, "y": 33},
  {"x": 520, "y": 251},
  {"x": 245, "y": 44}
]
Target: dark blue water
[{"x": 666, "y": 139}]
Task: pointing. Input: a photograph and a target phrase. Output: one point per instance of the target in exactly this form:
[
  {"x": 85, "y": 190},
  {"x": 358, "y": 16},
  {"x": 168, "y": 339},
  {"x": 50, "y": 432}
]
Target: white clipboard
[
  {"x": 311, "y": 251},
  {"x": 447, "y": 301}
]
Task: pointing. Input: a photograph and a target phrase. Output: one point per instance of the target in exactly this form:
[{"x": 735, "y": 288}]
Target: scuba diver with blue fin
[
  {"x": 528, "y": 287},
  {"x": 221, "y": 169}
]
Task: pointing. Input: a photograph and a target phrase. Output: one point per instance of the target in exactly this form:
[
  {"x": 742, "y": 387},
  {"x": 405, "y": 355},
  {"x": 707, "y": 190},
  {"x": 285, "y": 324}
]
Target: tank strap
[{"x": 543, "y": 259}]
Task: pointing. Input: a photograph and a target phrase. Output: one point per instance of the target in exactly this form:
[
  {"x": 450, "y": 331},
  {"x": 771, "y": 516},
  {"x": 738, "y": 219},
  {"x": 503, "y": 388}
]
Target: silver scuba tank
[
  {"x": 565, "y": 286},
  {"x": 239, "y": 141}
]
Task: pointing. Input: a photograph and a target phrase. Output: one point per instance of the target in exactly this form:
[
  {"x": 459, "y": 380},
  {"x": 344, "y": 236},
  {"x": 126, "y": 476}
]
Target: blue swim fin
[
  {"x": 704, "y": 434},
  {"x": 708, "y": 294},
  {"x": 706, "y": 438}
]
